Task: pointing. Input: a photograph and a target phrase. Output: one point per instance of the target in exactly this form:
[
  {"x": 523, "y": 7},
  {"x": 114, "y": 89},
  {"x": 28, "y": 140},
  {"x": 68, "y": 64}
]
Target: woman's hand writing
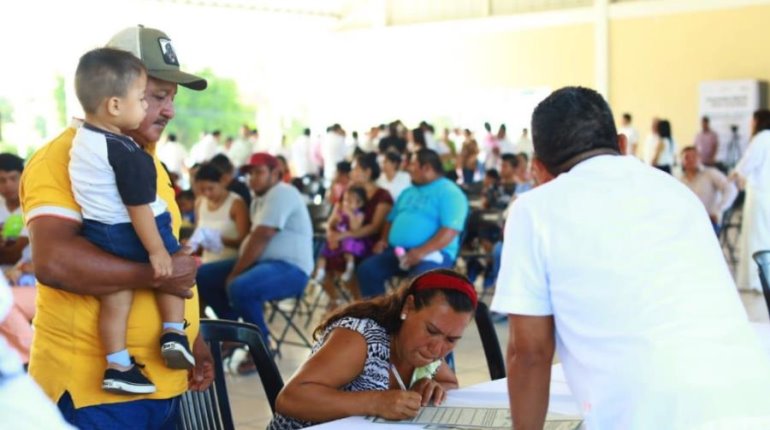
[
  {"x": 397, "y": 404},
  {"x": 430, "y": 390}
]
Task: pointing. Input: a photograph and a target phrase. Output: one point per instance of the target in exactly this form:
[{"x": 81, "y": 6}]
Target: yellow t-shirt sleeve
[{"x": 45, "y": 186}]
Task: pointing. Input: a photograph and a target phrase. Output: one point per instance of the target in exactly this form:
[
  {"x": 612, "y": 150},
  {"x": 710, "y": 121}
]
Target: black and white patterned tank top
[{"x": 375, "y": 376}]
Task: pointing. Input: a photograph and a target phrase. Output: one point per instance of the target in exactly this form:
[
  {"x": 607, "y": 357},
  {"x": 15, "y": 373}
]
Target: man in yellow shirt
[{"x": 67, "y": 357}]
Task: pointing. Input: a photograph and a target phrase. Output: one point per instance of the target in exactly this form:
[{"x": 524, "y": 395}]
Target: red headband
[{"x": 443, "y": 281}]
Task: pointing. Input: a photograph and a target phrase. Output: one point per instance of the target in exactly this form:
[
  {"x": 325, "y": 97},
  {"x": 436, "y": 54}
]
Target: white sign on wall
[{"x": 729, "y": 106}]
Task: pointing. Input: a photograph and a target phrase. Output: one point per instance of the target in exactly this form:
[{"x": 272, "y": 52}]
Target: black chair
[
  {"x": 762, "y": 258},
  {"x": 489, "y": 341},
  {"x": 210, "y": 409},
  {"x": 290, "y": 313},
  {"x": 732, "y": 221}
]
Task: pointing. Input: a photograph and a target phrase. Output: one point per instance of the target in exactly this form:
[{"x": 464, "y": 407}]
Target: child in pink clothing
[{"x": 351, "y": 217}]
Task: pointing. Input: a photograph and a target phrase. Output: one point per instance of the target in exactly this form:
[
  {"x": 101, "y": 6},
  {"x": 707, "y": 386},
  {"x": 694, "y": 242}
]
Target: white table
[
  {"x": 495, "y": 394},
  {"x": 486, "y": 394}
]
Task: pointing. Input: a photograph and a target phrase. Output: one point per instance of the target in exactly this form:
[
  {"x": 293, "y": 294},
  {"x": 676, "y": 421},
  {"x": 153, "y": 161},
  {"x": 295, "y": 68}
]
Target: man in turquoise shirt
[{"x": 426, "y": 222}]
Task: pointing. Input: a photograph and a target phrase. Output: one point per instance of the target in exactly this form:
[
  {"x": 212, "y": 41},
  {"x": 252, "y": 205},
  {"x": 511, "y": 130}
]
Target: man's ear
[
  {"x": 540, "y": 173},
  {"x": 623, "y": 144}
]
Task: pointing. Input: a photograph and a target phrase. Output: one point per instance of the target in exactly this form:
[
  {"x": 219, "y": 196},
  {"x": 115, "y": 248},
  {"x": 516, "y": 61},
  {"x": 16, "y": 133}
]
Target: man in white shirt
[
  {"x": 206, "y": 149},
  {"x": 711, "y": 186},
  {"x": 241, "y": 150},
  {"x": 333, "y": 150},
  {"x": 632, "y": 136},
  {"x": 657, "y": 341},
  {"x": 524, "y": 144},
  {"x": 302, "y": 156},
  {"x": 173, "y": 154}
]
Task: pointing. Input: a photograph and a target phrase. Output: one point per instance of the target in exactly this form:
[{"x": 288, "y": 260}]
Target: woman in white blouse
[
  {"x": 221, "y": 211},
  {"x": 754, "y": 171},
  {"x": 663, "y": 156}
]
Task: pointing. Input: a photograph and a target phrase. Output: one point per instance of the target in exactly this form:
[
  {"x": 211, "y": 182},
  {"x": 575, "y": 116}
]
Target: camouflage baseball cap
[{"x": 157, "y": 53}]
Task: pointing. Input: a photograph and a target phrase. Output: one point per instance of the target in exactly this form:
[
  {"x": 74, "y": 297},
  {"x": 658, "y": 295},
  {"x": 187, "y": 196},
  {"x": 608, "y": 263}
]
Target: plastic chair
[
  {"x": 489, "y": 341},
  {"x": 210, "y": 409},
  {"x": 762, "y": 258}
]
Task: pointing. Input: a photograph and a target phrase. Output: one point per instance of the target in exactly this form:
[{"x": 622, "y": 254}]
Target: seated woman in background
[
  {"x": 382, "y": 357},
  {"x": 364, "y": 173},
  {"x": 219, "y": 213}
]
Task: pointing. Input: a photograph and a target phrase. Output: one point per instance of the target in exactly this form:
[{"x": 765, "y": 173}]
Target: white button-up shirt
[{"x": 648, "y": 324}]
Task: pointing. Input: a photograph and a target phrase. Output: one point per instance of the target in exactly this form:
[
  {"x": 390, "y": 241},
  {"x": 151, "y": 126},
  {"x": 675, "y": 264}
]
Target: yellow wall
[
  {"x": 657, "y": 63},
  {"x": 553, "y": 57},
  {"x": 362, "y": 77}
]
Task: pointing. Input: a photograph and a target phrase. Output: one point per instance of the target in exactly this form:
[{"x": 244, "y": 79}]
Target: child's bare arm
[
  {"x": 144, "y": 223},
  {"x": 356, "y": 220}
]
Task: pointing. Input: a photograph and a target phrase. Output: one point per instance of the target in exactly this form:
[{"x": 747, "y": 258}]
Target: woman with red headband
[{"x": 381, "y": 357}]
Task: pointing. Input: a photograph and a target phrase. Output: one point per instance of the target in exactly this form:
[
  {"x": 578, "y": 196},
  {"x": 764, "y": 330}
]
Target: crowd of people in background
[
  {"x": 491, "y": 168},
  {"x": 365, "y": 182}
]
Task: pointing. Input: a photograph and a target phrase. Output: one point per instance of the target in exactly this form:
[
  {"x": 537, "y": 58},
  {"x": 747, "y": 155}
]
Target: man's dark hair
[
  {"x": 221, "y": 162},
  {"x": 762, "y": 120},
  {"x": 494, "y": 174},
  {"x": 570, "y": 122},
  {"x": 104, "y": 73},
  {"x": 368, "y": 161},
  {"x": 705, "y": 119},
  {"x": 511, "y": 159},
  {"x": 208, "y": 172},
  {"x": 216, "y": 133},
  {"x": 627, "y": 116},
  {"x": 431, "y": 158},
  {"x": 11, "y": 163},
  {"x": 393, "y": 157}
]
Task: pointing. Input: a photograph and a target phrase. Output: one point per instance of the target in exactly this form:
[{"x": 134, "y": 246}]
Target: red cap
[
  {"x": 263, "y": 159},
  {"x": 442, "y": 281}
]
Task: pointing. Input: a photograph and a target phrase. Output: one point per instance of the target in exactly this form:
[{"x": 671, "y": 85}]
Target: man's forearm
[
  {"x": 531, "y": 348},
  {"x": 439, "y": 241},
  {"x": 83, "y": 268},
  {"x": 65, "y": 260},
  {"x": 256, "y": 243},
  {"x": 528, "y": 387}
]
